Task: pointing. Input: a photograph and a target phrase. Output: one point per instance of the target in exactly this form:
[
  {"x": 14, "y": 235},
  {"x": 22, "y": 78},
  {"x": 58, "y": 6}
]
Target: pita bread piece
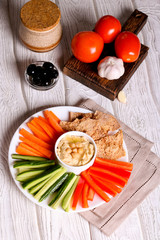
[
  {"x": 111, "y": 147},
  {"x": 97, "y": 124}
]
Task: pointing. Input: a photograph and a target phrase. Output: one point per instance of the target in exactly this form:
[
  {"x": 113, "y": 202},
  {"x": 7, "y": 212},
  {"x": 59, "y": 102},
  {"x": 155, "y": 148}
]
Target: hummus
[{"x": 75, "y": 150}]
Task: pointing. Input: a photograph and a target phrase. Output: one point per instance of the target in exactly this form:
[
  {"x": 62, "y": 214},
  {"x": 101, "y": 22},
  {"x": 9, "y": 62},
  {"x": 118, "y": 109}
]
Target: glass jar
[{"x": 40, "y": 29}]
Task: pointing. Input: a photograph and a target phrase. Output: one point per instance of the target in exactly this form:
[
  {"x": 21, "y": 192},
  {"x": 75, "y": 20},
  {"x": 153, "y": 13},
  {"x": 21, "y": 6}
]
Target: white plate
[{"x": 63, "y": 114}]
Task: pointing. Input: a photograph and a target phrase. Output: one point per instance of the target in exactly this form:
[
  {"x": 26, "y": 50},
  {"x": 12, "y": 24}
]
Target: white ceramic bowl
[{"x": 76, "y": 169}]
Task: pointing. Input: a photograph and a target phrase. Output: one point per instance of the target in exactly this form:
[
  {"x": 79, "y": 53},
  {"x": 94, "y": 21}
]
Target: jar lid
[{"x": 40, "y": 15}]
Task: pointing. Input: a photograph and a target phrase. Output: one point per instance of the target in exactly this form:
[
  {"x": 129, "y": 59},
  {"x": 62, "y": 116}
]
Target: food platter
[{"x": 63, "y": 113}]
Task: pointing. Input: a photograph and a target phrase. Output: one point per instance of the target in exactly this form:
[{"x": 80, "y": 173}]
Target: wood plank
[
  {"x": 15, "y": 209},
  {"x": 87, "y": 73}
]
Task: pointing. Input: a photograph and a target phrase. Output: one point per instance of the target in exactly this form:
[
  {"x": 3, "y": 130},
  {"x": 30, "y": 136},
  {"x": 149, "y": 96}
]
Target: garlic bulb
[{"x": 111, "y": 68}]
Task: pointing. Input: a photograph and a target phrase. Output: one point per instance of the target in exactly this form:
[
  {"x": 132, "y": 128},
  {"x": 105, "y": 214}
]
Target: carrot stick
[
  {"x": 24, "y": 145},
  {"x": 114, "y": 163},
  {"x": 116, "y": 182},
  {"x": 35, "y": 139},
  {"x": 43, "y": 119},
  {"x": 24, "y": 151},
  {"x": 48, "y": 115},
  {"x": 91, "y": 194},
  {"x": 97, "y": 189},
  {"x": 105, "y": 177},
  {"x": 42, "y": 150},
  {"x": 39, "y": 134},
  {"x": 85, "y": 196},
  {"x": 53, "y": 115},
  {"x": 107, "y": 173},
  {"x": 47, "y": 128},
  {"x": 111, "y": 185},
  {"x": 77, "y": 193},
  {"x": 33, "y": 122},
  {"x": 105, "y": 187},
  {"x": 121, "y": 172}
]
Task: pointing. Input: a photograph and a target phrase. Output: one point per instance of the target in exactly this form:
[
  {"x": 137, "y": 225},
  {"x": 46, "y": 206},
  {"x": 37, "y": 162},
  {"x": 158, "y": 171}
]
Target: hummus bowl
[{"x": 76, "y": 151}]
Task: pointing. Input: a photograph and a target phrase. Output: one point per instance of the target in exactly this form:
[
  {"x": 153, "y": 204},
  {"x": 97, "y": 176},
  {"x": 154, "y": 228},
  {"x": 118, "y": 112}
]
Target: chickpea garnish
[
  {"x": 79, "y": 145},
  {"x": 80, "y": 150},
  {"x": 74, "y": 150},
  {"x": 68, "y": 150},
  {"x": 72, "y": 145}
]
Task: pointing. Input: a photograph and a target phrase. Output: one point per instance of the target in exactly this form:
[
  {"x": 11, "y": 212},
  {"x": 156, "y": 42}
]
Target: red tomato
[
  {"x": 108, "y": 27},
  {"x": 127, "y": 46},
  {"x": 87, "y": 46}
]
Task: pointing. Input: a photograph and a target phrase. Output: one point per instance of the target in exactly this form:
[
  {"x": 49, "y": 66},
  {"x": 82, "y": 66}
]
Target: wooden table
[{"x": 20, "y": 219}]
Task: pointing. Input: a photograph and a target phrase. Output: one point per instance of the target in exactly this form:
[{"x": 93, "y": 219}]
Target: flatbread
[
  {"x": 111, "y": 147},
  {"x": 74, "y": 115},
  {"x": 98, "y": 125}
]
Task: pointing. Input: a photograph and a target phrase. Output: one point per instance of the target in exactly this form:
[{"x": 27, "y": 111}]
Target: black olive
[
  {"x": 48, "y": 65},
  {"x": 31, "y": 69},
  {"x": 54, "y": 74},
  {"x": 37, "y": 80}
]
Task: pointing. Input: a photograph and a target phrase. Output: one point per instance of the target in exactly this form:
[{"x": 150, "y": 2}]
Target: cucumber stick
[
  {"x": 29, "y": 158},
  {"x": 38, "y": 186},
  {"x": 29, "y": 184},
  {"x": 63, "y": 190},
  {"x": 20, "y": 170},
  {"x": 68, "y": 208},
  {"x": 24, "y": 176},
  {"x": 67, "y": 199},
  {"x": 33, "y": 164},
  {"x": 52, "y": 180},
  {"x": 54, "y": 187}
]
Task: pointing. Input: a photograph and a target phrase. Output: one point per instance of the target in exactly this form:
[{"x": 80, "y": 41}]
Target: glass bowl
[
  {"x": 42, "y": 78},
  {"x": 76, "y": 169}
]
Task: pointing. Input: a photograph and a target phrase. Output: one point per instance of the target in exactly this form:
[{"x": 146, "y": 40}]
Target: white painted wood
[{"x": 20, "y": 218}]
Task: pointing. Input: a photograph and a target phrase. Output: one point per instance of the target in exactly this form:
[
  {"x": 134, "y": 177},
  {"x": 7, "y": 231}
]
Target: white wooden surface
[{"x": 20, "y": 219}]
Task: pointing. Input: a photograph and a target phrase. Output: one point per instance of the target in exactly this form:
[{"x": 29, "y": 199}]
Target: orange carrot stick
[
  {"x": 53, "y": 115},
  {"x": 47, "y": 128},
  {"x": 91, "y": 194},
  {"x": 33, "y": 122},
  {"x": 53, "y": 122},
  {"x": 105, "y": 187},
  {"x": 114, "y": 163},
  {"x": 42, "y": 150},
  {"x": 24, "y": 151},
  {"x": 85, "y": 196},
  {"x": 77, "y": 193},
  {"x": 43, "y": 119},
  {"x": 109, "y": 178},
  {"x": 107, "y": 173},
  {"x": 97, "y": 189},
  {"x": 39, "y": 134},
  {"x": 24, "y": 145},
  {"x": 35, "y": 139},
  {"x": 119, "y": 171},
  {"x": 111, "y": 185}
]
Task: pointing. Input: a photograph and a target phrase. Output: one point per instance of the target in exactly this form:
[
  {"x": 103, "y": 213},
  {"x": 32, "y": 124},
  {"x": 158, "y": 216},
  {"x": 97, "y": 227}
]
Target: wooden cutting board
[{"x": 86, "y": 73}]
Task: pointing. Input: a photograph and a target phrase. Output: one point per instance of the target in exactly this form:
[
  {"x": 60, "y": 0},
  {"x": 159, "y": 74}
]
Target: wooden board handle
[{"x": 135, "y": 22}]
